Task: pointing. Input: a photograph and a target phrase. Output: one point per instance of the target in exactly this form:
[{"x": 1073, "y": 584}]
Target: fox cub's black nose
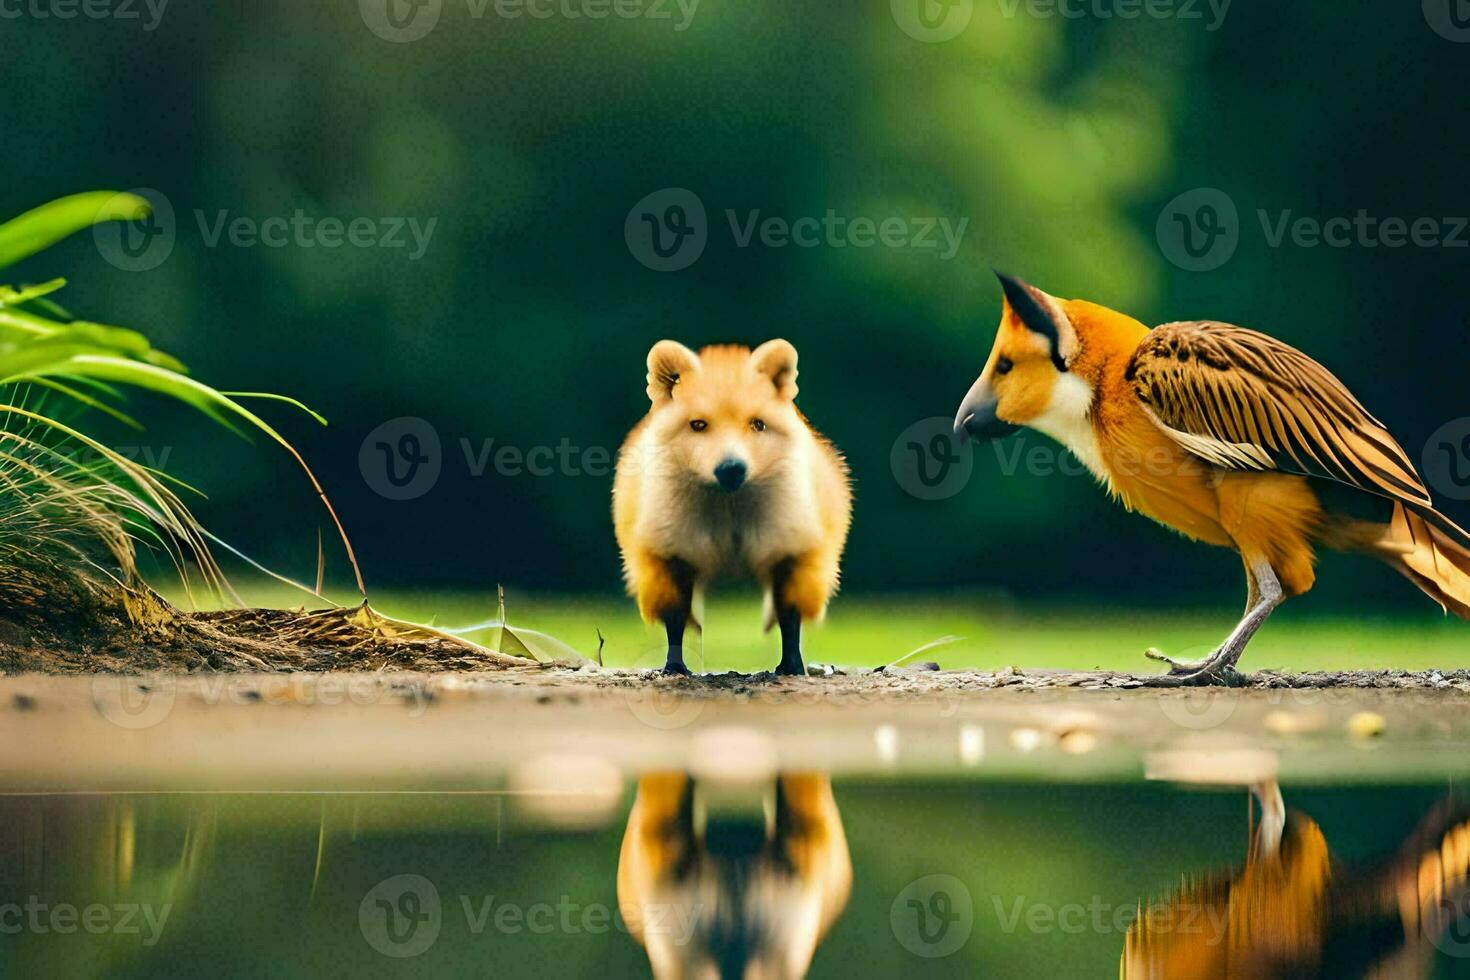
[{"x": 730, "y": 473}]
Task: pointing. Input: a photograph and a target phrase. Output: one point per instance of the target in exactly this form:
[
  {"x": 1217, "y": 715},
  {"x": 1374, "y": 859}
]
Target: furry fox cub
[
  {"x": 733, "y": 880},
  {"x": 725, "y": 473}
]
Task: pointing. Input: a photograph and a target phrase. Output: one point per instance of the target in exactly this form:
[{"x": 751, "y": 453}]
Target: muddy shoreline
[
  {"x": 401, "y": 731},
  {"x": 64, "y": 624}
]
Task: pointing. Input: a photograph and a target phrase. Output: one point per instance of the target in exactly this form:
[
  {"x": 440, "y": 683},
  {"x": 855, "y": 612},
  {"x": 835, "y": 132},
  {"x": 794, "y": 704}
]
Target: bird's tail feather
[
  {"x": 1431, "y": 551},
  {"x": 1426, "y": 879}
]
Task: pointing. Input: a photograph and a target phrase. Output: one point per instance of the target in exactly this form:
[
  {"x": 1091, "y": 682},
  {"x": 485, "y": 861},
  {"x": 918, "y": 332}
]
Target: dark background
[{"x": 528, "y": 318}]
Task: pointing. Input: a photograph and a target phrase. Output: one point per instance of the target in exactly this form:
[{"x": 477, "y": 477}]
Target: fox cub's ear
[
  {"x": 776, "y": 359},
  {"x": 667, "y": 361}
]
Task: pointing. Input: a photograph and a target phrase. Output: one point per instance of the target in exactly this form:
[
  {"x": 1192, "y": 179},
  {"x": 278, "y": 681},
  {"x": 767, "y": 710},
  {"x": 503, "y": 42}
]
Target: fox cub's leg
[
  {"x": 799, "y": 587},
  {"x": 665, "y": 592}
]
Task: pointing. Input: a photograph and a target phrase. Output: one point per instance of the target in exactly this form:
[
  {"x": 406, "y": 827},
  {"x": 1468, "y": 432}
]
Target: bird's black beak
[{"x": 976, "y": 416}]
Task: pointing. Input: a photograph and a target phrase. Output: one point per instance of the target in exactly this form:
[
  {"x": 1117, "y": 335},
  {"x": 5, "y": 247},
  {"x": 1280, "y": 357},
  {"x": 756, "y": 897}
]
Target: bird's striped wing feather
[{"x": 1243, "y": 400}]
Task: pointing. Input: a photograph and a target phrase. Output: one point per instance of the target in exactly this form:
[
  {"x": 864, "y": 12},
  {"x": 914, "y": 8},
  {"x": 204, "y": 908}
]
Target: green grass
[{"x": 867, "y": 631}]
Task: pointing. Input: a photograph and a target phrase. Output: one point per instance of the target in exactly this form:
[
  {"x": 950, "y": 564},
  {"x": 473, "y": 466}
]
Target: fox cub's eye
[
  {"x": 1004, "y": 365},
  {"x": 758, "y": 425},
  {"x": 698, "y": 425}
]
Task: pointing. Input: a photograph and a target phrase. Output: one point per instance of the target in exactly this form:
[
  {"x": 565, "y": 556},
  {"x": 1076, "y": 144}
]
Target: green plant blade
[
  {"x": 48, "y": 224},
  {"x": 15, "y": 297},
  {"x": 270, "y": 397}
]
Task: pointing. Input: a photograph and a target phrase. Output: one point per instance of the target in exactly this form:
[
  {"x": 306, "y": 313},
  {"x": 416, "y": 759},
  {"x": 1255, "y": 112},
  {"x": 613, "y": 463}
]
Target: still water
[{"x": 798, "y": 873}]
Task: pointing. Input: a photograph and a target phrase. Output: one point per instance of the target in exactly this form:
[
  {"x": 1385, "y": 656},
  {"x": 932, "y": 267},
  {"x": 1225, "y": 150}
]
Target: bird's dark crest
[{"x": 1033, "y": 313}]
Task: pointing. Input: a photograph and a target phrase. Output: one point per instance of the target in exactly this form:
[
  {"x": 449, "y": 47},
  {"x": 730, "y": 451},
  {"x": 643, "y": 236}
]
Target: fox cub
[
  {"x": 742, "y": 881},
  {"x": 724, "y": 473}
]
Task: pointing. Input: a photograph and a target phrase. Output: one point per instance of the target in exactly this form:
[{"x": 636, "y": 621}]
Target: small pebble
[
  {"x": 1294, "y": 722},
  {"x": 1078, "y": 741},
  {"x": 1025, "y": 739},
  {"x": 885, "y": 740},
  {"x": 972, "y": 744},
  {"x": 1366, "y": 724}
]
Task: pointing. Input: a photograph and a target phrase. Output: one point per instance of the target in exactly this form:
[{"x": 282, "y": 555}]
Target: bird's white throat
[{"x": 1068, "y": 420}]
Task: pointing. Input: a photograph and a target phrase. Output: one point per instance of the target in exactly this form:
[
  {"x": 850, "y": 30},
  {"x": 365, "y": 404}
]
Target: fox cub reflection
[
  {"x": 725, "y": 473},
  {"x": 714, "y": 892}
]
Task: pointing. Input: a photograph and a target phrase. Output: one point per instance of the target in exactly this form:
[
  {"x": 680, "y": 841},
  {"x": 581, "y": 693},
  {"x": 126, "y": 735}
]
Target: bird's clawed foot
[
  {"x": 676, "y": 668},
  {"x": 1216, "y": 670},
  {"x": 789, "y": 668}
]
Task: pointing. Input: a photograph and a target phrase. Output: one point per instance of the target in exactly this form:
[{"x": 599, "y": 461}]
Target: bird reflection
[
  {"x": 731, "y": 881},
  {"x": 1293, "y": 912}
]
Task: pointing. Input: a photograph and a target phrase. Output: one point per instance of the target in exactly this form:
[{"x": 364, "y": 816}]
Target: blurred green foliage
[
  {"x": 527, "y": 318},
  {"x": 966, "y": 630}
]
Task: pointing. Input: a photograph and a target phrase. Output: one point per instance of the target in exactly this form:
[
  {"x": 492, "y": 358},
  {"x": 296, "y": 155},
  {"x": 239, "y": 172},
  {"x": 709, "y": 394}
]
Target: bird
[
  {"x": 1225, "y": 434},
  {"x": 1292, "y": 911}
]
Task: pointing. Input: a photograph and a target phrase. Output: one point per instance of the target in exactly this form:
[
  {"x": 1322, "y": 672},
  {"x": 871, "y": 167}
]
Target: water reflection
[
  {"x": 725, "y": 872},
  {"x": 1292, "y": 911},
  {"x": 111, "y": 869},
  {"x": 732, "y": 880}
]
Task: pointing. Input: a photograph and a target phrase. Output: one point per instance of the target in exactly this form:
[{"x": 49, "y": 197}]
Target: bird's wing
[{"x": 1246, "y": 401}]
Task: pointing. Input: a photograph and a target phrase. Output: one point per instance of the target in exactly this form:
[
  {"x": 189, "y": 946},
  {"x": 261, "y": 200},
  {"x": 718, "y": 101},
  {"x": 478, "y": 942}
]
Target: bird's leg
[
  {"x": 1264, "y": 595},
  {"x": 1266, "y": 843}
]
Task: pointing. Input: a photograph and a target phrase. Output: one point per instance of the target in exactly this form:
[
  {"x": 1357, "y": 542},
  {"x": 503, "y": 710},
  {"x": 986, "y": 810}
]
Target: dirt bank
[
  {"x": 517, "y": 728},
  {"x": 67, "y": 624}
]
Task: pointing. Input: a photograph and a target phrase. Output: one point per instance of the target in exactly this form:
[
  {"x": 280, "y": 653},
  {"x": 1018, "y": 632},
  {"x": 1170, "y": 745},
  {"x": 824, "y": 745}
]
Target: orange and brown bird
[
  {"x": 1293, "y": 911},
  {"x": 1224, "y": 434}
]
